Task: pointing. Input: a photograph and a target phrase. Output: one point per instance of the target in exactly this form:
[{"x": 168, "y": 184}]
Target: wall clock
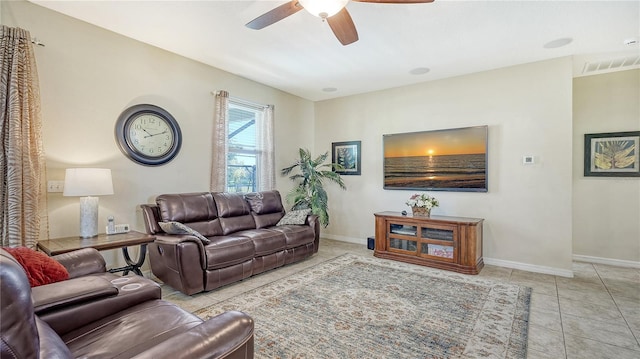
[{"x": 148, "y": 135}]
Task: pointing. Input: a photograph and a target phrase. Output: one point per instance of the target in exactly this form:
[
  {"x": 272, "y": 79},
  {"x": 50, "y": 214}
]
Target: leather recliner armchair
[{"x": 95, "y": 318}]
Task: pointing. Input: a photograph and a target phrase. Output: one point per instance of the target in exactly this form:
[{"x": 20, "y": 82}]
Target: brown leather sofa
[
  {"x": 243, "y": 235},
  {"x": 100, "y": 315}
]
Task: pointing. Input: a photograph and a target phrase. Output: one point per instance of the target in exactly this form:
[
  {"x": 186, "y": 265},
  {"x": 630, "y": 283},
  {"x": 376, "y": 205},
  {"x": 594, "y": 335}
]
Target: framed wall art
[
  {"x": 437, "y": 160},
  {"x": 346, "y": 154},
  {"x": 613, "y": 154}
]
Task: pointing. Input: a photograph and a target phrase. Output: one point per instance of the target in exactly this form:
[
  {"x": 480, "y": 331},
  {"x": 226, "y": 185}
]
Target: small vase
[{"x": 421, "y": 211}]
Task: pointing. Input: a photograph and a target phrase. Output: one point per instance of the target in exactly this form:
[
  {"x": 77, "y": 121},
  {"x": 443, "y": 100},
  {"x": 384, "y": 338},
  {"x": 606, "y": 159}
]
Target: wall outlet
[
  {"x": 55, "y": 186},
  {"x": 118, "y": 229}
]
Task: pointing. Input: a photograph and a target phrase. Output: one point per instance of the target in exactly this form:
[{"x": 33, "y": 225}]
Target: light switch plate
[
  {"x": 55, "y": 186},
  {"x": 528, "y": 160}
]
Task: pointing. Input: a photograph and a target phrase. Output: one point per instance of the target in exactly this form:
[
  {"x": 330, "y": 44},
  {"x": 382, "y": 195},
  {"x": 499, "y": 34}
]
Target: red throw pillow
[{"x": 41, "y": 269}]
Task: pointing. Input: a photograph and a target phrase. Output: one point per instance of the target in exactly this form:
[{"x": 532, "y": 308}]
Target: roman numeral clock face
[{"x": 148, "y": 135}]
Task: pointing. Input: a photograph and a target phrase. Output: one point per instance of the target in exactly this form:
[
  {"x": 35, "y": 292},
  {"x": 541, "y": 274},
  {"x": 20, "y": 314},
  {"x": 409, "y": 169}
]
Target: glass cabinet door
[
  {"x": 403, "y": 229},
  {"x": 403, "y": 244},
  {"x": 437, "y": 250},
  {"x": 437, "y": 234}
]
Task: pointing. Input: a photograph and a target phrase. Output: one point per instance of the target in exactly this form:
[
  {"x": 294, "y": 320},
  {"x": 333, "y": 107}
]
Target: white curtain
[
  {"x": 219, "y": 146},
  {"x": 266, "y": 168},
  {"x": 23, "y": 201}
]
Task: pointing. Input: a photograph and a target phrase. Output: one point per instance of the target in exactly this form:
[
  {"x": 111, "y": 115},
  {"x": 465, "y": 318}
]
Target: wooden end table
[{"x": 103, "y": 242}]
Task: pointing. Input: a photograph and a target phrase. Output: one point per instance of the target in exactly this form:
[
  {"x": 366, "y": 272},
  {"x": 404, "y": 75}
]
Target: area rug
[{"x": 361, "y": 307}]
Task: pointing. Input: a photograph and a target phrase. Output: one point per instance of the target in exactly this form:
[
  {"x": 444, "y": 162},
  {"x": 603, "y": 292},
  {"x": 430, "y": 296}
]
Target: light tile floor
[{"x": 595, "y": 315}]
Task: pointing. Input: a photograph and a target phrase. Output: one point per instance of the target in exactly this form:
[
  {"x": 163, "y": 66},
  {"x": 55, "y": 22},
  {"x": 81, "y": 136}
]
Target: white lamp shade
[
  {"x": 87, "y": 182},
  {"x": 323, "y": 8}
]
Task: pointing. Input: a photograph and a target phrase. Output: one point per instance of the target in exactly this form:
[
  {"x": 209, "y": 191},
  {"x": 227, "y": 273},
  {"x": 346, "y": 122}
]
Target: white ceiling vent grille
[{"x": 617, "y": 64}]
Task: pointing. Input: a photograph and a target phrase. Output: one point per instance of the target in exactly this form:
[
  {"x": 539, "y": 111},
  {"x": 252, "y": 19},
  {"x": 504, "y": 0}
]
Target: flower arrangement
[{"x": 422, "y": 201}]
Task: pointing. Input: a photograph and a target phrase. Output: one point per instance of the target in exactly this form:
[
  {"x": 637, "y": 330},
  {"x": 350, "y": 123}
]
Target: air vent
[{"x": 617, "y": 64}]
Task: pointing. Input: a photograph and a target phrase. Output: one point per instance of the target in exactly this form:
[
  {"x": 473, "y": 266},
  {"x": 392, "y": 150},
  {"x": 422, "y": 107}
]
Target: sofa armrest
[
  {"x": 175, "y": 239},
  {"x": 151, "y": 216},
  {"x": 228, "y": 335},
  {"x": 314, "y": 222},
  {"x": 70, "y": 292},
  {"x": 82, "y": 262}
]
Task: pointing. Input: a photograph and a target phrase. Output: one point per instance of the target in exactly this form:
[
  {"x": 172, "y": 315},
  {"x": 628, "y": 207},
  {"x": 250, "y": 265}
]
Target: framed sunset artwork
[{"x": 439, "y": 160}]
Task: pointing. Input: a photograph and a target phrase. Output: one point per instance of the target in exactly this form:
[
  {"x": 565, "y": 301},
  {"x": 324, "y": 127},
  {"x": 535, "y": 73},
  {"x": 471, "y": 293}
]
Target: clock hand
[
  {"x": 156, "y": 134},
  {"x": 149, "y": 134}
]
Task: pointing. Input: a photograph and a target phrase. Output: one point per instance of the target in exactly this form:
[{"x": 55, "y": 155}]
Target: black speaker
[{"x": 371, "y": 243}]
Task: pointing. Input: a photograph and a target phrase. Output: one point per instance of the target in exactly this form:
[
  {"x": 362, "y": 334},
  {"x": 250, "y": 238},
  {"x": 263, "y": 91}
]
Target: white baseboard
[
  {"x": 607, "y": 261},
  {"x": 490, "y": 261},
  {"x": 345, "y": 238},
  {"x": 529, "y": 267}
]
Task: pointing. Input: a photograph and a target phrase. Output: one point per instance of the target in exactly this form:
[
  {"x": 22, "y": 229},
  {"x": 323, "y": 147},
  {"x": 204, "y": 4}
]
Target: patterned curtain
[
  {"x": 23, "y": 216},
  {"x": 267, "y": 174},
  {"x": 219, "y": 155}
]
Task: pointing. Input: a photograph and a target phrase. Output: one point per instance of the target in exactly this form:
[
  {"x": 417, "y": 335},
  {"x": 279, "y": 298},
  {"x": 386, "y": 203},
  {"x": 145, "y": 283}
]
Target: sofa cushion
[
  {"x": 179, "y": 228},
  {"x": 266, "y": 207},
  {"x": 197, "y": 210},
  {"x": 296, "y": 216},
  {"x": 130, "y": 331},
  {"x": 40, "y": 268},
  {"x": 234, "y": 211},
  {"x": 265, "y": 241},
  {"x": 265, "y": 202},
  {"x": 224, "y": 251},
  {"x": 231, "y": 204},
  {"x": 186, "y": 207},
  {"x": 296, "y": 235}
]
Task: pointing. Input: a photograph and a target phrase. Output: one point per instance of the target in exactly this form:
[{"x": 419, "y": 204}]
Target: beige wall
[
  {"x": 606, "y": 210},
  {"x": 88, "y": 76},
  {"x": 527, "y": 209}
]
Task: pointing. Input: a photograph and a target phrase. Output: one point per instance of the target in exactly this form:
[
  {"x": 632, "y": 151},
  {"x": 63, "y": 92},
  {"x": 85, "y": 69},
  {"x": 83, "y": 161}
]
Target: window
[
  {"x": 242, "y": 158},
  {"x": 245, "y": 149}
]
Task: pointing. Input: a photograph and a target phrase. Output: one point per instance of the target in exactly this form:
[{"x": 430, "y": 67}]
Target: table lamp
[{"x": 87, "y": 183}]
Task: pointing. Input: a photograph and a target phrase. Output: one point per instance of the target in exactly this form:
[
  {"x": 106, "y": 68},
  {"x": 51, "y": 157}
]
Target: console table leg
[{"x": 131, "y": 265}]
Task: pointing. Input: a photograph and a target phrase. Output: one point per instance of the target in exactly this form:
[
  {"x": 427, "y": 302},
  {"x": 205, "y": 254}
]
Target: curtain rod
[
  {"x": 257, "y": 106},
  {"x": 35, "y": 41}
]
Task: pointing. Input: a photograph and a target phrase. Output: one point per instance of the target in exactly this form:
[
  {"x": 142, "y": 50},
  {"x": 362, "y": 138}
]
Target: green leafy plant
[{"x": 310, "y": 192}]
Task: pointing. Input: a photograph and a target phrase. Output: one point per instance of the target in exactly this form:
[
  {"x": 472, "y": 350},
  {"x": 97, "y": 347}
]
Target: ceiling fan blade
[
  {"x": 396, "y": 1},
  {"x": 343, "y": 27},
  {"x": 275, "y": 15}
]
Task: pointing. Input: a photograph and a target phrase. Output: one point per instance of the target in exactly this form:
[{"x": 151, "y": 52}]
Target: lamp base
[{"x": 88, "y": 217}]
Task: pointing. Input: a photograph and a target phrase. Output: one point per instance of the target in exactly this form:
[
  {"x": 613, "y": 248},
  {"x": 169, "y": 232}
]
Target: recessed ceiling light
[
  {"x": 558, "y": 43},
  {"x": 419, "y": 71},
  {"x": 329, "y": 89}
]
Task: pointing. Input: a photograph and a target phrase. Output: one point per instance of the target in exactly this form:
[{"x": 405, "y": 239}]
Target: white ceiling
[{"x": 301, "y": 56}]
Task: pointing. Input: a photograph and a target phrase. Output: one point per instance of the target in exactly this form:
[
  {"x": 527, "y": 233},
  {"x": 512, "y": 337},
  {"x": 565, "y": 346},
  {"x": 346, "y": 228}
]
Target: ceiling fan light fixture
[{"x": 323, "y": 8}]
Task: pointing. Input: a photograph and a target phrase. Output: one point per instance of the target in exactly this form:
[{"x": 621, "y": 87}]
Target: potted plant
[
  {"x": 310, "y": 192},
  {"x": 421, "y": 204}
]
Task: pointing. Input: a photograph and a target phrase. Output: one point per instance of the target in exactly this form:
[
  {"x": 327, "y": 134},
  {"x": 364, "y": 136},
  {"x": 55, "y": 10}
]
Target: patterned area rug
[{"x": 360, "y": 307}]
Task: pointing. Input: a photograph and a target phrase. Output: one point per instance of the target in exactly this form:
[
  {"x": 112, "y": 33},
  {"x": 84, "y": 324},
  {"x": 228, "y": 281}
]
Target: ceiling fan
[{"x": 333, "y": 11}]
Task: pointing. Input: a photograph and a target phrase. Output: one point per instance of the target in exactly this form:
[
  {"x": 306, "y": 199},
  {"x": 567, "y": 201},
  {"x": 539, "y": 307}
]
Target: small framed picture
[
  {"x": 346, "y": 154},
  {"x": 612, "y": 154}
]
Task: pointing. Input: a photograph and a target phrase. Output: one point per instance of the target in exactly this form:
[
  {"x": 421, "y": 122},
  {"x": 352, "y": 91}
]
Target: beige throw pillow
[{"x": 298, "y": 216}]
